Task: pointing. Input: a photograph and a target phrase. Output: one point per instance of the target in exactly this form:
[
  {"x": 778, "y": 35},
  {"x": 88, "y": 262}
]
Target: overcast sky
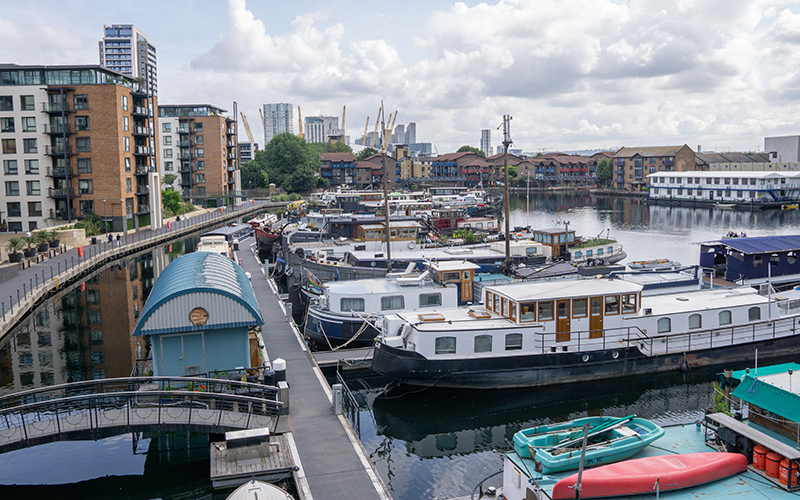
[{"x": 574, "y": 74}]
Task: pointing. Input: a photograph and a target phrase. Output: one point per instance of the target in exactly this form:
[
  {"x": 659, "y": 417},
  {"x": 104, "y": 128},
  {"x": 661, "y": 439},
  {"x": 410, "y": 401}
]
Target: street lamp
[{"x": 105, "y": 222}]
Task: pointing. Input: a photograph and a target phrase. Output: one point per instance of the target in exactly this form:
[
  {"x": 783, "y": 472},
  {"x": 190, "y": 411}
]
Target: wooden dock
[
  {"x": 265, "y": 461},
  {"x": 345, "y": 358}
]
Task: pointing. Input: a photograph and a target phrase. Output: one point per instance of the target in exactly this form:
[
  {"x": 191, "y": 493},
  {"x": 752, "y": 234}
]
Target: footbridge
[{"x": 97, "y": 409}]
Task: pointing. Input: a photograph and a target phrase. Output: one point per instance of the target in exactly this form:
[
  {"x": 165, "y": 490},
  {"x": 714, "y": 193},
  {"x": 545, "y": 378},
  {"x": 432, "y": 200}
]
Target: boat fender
[{"x": 685, "y": 364}]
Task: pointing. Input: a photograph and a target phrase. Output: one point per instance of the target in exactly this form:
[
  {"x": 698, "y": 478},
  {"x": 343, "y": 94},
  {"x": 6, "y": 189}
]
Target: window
[
  {"x": 81, "y": 123},
  {"x": 127, "y": 164},
  {"x": 93, "y": 315},
  {"x": 445, "y": 345},
  {"x": 7, "y": 124},
  {"x": 12, "y": 189},
  {"x": 504, "y": 307},
  {"x": 695, "y": 321},
  {"x": 198, "y": 126},
  {"x": 6, "y": 103},
  {"x": 126, "y": 144},
  {"x": 34, "y": 208},
  {"x": 545, "y": 311},
  {"x": 9, "y": 146},
  {"x": 200, "y": 178},
  {"x": 724, "y": 317},
  {"x": 579, "y": 308},
  {"x": 125, "y": 123},
  {"x": 198, "y": 139},
  {"x": 198, "y": 152},
  {"x": 86, "y": 207},
  {"x": 81, "y": 101},
  {"x": 14, "y": 210},
  {"x": 29, "y": 146},
  {"x": 168, "y": 140},
  {"x": 664, "y": 325},
  {"x": 84, "y": 165},
  {"x": 85, "y": 186},
  {"x": 483, "y": 343},
  {"x": 10, "y": 167},
  {"x": 527, "y": 311},
  {"x": 489, "y": 300},
  {"x": 199, "y": 165},
  {"x": 352, "y": 304},
  {"x": 26, "y": 103},
  {"x": 200, "y": 191},
  {"x": 754, "y": 314},
  {"x": 629, "y": 303},
  {"x": 512, "y": 314},
  {"x": 393, "y": 302},
  {"x": 33, "y": 188},
  {"x": 166, "y": 127},
  {"x": 32, "y": 167},
  {"x": 83, "y": 144},
  {"x": 430, "y": 299},
  {"x": 168, "y": 166},
  {"x": 514, "y": 342},
  {"x": 128, "y": 185},
  {"x": 28, "y": 124},
  {"x": 167, "y": 152},
  {"x": 124, "y": 103},
  {"x": 496, "y": 304},
  {"x": 612, "y": 304}
]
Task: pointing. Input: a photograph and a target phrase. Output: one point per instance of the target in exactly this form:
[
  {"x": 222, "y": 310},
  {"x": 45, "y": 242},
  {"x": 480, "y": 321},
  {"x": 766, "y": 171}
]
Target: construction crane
[
  {"x": 300, "y": 123},
  {"x": 375, "y": 133},
  {"x": 388, "y": 131},
  {"x": 364, "y": 142},
  {"x": 247, "y": 128},
  {"x": 263, "y": 123},
  {"x": 344, "y": 108}
]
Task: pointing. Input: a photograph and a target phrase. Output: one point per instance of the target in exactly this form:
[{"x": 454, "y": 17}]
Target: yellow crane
[
  {"x": 364, "y": 142},
  {"x": 300, "y": 123},
  {"x": 263, "y": 123},
  {"x": 387, "y": 133},
  {"x": 375, "y": 132},
  {"x": 247, "y": 128}
]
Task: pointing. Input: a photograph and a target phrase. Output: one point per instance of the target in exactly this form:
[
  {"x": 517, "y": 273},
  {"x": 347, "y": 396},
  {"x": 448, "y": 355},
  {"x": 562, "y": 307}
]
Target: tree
[
  {"x": 605, "y": 170},
  {"x": 323, "y": 183},
  {"x": 331, "y": 147},
  {"x": 302, "y": 179},
  {"x": 471, "y": 149},
  {"x": 512, "y": 171},
  {"x": 171, "y": 202},
  {"x": 254, "y": 175},
  {"x": 286, "y": 155},
  {"x": 168, "y": 179},
  {"x": 366, "y": 153}
]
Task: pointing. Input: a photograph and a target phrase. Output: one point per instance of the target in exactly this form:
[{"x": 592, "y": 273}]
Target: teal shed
[{"x": 198, "y": 316}]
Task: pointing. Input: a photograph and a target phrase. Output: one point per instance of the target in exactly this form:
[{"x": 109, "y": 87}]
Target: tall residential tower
[
  {"x": 125, "y": 49},
  {"x": 278, "y": 118}
]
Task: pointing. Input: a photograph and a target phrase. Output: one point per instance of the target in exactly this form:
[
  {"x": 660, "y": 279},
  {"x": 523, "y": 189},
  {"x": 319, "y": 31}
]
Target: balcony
[
  {"x": 184, "y": 130},
  {"x": 231, "y": 168},
  {"x": 60, "y": 193},
  {"x": 139, "y": 111},
  {"x": 184, "y": 156},
  {"x": 59, "y": 172},
  {"x": 58, "y": 151},
  {"x": 185, "y": 169},
  {"x": 143, "y": 209},
  {"x": 186, "y": 143},
  {"x": 186, "y": 181},
  {"x": 231, "y": 156},
  {"x": 143, "y": 170},
  {"x": 230, "y": 131},
  {"x": 141, "y": 131},
  {"x": 64, "y": 214},
  {"x": 142, "y": 189},
  {"x": 86, "y": 191},
  {"x": 231, "y": 144},
  {"x": 56, "y": 108},
  {"x": 58, "y": 129},
  {"x": 141, "y": 150}
]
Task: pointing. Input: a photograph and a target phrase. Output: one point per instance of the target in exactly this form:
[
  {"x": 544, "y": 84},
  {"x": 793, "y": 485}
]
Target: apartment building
[
  {"x": 486, "y": 141},
  {"x": 278, "y": 119},
  {"x": 127, "y": 50},
  {"x": 76, "y": 141},
  {"x": 632, "y": 165},
  {"x": 199, "y": 146},
  {"x": 322, "y": 128}
]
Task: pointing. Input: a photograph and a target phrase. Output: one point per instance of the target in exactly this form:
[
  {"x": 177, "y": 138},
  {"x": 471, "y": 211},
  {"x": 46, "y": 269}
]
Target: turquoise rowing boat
[{"x": 610, "y": 439}]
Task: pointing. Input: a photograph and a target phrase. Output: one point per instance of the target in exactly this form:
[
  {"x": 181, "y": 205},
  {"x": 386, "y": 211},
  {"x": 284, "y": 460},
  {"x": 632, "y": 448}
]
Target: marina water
[{"x": 425, "y": 443}]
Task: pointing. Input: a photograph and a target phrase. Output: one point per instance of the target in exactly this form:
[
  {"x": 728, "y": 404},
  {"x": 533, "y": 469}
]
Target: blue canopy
[{"x": 763, "y": 244}]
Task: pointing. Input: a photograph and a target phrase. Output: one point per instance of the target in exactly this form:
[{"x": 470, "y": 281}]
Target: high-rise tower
[
  {"x": 127, "y": 50},
  {"x": 278, "y": 118}
]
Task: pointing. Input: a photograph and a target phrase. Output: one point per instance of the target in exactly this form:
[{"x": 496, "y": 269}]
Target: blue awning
[{"x": 763, "y": 244}]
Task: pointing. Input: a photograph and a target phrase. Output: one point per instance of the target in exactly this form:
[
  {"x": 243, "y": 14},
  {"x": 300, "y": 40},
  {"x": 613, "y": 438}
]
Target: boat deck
[{"x": 685, "y": 439}]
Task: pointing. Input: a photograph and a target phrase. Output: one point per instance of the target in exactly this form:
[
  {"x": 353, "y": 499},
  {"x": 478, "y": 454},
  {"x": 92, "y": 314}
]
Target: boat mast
[
  {"x": 506, "y": 143},
  {"x": 385, "y": 193}
]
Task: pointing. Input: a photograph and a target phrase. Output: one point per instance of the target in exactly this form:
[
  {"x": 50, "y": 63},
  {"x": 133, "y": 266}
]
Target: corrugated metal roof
[
  {"x": 763, "y": 244},
  {"x": 211, "y": 281},
  {"x": 771, "y": 398},
  {"x": 648, "y": 151}
]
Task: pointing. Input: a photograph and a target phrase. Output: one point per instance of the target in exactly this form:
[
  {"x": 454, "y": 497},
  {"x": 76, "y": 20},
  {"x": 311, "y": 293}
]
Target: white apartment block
[
  {"x": 278, "y": 119},
  {"x": 171, "y": 159},
  {"x": 321, "y": 128},
  {"x": 486, "y": 141},
  {"x": 743, "y": 187},
  {"x": 127, "y": 50}
]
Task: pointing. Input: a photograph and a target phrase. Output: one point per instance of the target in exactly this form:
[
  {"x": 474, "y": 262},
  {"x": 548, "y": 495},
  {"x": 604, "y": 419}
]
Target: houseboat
[
  {"x": 345, "y": 311},
  {"x": 753, "y": 260},
  {"x": 545, "y": 333},
  {"x": 214, "y": 243},
  {"x": 726, "y": 189}
]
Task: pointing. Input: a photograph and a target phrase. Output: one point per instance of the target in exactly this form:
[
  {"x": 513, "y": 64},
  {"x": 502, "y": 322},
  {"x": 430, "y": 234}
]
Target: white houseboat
[
  {"x": 345, "y": 312},
  {"x": 535, "y": 334},
  {"x": 761, "y": 189}
]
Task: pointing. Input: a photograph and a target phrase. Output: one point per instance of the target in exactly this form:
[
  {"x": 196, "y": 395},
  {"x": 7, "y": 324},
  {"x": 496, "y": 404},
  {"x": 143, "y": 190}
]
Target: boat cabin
[
  {"x": 752, "y": 260},
  {"x": 459, "y": 272},
  {"x": 400, "y": 231},
  {"x": 774, "y": 401},
  {"x": 557, "y": 239}
]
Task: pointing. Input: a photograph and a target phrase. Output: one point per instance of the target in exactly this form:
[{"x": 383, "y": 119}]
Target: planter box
[
  {"x": 44, "y": 247},
  {"x": 55, "y": 243},
  {"x": 15, "y": 257},
  {"x": 30, "y": 253}
]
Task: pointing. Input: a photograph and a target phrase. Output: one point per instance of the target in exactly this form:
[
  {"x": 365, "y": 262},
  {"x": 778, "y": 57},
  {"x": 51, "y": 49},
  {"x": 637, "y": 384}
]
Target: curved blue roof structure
[{"x": 203, "y": 280}]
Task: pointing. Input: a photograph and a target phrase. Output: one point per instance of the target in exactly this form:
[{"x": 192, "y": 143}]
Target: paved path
[{"x": 333, "y": 461}]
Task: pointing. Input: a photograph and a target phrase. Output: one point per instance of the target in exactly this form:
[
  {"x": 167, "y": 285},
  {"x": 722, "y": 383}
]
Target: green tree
[
  {"x": 171, "y": 202},
  {"x": 605, "y": 170},
  {"x": 331, "y": 147},
  {"x": 168, "y": 179},
  {"x": 254, "y": 175},
  {"x": 512, "y": 172},
  {"x": 366, "y": 153},
  {"x": 323, "y": 183},
  {"x": 471, "y": 149},
  {"x": 302, "y": 179},
  {"x": 285, "y": 156}
]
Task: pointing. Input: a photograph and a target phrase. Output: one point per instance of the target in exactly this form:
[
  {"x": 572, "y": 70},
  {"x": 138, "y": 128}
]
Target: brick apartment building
[
  {"x": 76, "y": 141},
  {"x": 199, "y": 146},
  {"x": 632, "y": 165}
]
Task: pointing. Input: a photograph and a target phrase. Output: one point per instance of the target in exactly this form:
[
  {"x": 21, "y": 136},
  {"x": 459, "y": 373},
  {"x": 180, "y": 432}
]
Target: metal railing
[{"x": 350, "y": 405}]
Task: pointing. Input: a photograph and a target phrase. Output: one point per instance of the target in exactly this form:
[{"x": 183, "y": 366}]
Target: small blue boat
[{"x": 610, "y": 439}]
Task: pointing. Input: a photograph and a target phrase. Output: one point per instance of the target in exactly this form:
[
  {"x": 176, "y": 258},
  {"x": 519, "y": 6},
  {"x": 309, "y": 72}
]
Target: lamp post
[{"x": 105, "y": 222}]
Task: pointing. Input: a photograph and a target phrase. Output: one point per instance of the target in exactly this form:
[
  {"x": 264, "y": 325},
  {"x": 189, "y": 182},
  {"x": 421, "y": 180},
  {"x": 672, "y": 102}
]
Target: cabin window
[
  {"x": 513, "y": 311},
  {"x": 545, "y": 311},
  {"x": 483, "y": 343},
  {"x": 757, "y": 261},
  {"x": 466, "y": 276},
  {"x": 791, "y": 257},
  {"x": 578, "y": 254},
  {"x": 599, "y": 252},
  {"x": 754, "y": 314},
  {"x": 430, "y": 299},
  {"x": 504, "y": 303},
  {"x": 488, "y": 300},
  {"x": 514, "y": 342},
  {"x": 725, "y": 318},
  {"x": 446, "y": 345},
  {"x": 369, "y": 235},
  {"x": 579, "y": 308},
  {"x": 612, "y": 304},
  {"x": 392, "y": 302},
  {"x": 497, "y": 304},
  {"x": 527, "y": 311},
  {"x": 629, "y": 303},
  {"x": 451, "y": 276},
  {"x": 610, "y": 249},
  {"x": 695, "y": 321},
  {"x": 352, "y": 304},
  {"x": 664, "y": 325},
  {"x": 588, "y": 253}
]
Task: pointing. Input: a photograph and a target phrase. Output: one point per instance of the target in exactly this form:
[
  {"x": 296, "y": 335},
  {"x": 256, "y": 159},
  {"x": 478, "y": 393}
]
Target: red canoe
[{"x": 638, "y": 476}]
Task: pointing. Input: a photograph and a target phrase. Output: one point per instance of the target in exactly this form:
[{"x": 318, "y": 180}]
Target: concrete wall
[{"x": 783, "y": 149}]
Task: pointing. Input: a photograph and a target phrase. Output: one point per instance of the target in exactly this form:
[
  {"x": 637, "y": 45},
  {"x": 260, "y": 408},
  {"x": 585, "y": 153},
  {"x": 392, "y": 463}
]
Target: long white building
[{"x": 740, "y": 187}]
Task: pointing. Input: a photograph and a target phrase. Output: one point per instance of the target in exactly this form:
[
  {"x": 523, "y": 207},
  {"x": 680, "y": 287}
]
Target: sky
[{"x": 573, "y": 74}]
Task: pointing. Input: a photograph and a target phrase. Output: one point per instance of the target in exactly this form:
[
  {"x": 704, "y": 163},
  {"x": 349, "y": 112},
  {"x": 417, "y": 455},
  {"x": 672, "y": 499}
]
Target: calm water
[{"x": 424, "y": 444}]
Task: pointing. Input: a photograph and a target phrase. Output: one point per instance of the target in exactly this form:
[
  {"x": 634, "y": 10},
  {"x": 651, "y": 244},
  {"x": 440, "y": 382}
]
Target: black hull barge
[{"x": 579, "y": 331}]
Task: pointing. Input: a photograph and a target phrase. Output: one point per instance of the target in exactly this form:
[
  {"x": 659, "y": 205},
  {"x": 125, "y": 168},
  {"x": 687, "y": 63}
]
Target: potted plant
[
  {"x": 43, "y": 240},
  {"x": 53, "y": 240},
  {"x": 13, "y": 247},
  {"x": 30, "y": 246}
]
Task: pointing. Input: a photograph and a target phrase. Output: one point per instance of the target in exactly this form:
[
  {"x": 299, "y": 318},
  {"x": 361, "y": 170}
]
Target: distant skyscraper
[
  {"x": 321, "y": 128},
  {"x": 399, "y": 135},
  {"x": 411, "y": 133},
  {"x": 126, "y": 49},
  {"x": 486, "y": 141},
  {"x": 278, "y": 118}
]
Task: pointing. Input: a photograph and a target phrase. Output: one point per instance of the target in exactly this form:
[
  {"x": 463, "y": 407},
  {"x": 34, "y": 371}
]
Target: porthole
[
  {"x": 615, "y": 354},
  {"x": 585, "y": 358}
]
